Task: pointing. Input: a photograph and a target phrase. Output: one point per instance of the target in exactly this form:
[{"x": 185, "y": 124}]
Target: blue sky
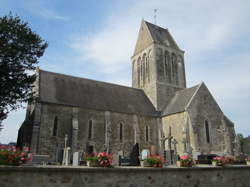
[{"x": 95, "y": 39}]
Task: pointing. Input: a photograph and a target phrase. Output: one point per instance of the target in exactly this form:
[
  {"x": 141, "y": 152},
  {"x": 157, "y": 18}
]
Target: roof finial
[{"x": 155, "y": 15}]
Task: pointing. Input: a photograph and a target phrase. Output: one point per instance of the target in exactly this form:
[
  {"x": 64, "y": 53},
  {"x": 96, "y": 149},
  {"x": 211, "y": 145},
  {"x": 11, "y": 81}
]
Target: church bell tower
[{"x": 157, "y": 65}]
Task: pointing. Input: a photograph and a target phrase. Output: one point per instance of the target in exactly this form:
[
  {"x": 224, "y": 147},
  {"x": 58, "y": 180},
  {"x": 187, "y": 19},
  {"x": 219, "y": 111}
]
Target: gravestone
[
  {"x": 115, "y": 159},
  {"x": 76, "y": 159},
  {"x": 169, "y": 156},
  {"x": 195, "y": 155},
  {"x": 144, "y": 154},
  {"x": 153, "y": 150},
  {"x": 124, "y": 161},
  {"x": 39, "y": 159},
  {"x": 134, "y": 156}
]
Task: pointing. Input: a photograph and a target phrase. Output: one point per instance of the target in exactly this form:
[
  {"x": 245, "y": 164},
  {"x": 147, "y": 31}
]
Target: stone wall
[
  {"x": 177, "y": 123},
  {"x": 133, "y": 130},
  {"x": 202, "y": 108},
  {"x": 124, "y": 177}
]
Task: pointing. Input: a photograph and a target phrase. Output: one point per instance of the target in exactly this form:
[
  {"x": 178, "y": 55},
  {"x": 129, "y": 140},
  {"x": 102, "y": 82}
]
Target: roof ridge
[
  {"x": 88, "y": 79},
  {"x": 198, "y": 87}
]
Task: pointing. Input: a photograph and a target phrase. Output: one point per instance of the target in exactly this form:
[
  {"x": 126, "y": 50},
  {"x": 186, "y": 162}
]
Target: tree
[{"x": 20, "y": 49}]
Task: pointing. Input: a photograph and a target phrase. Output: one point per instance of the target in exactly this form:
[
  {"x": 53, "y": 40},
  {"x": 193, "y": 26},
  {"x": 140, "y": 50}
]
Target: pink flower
[{"x": 184, "y": 157}]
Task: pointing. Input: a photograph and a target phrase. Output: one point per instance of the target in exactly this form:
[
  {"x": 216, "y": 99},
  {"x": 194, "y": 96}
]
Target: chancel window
[
  {"x": 90, "y": 129},
  {"x": 121, "y": 132},
  {"x": 55, "y": 126},
  {"x": 207, "y": 131}
]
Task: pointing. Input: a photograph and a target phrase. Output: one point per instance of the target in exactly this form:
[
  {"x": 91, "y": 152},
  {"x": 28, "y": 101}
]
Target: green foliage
[{"x": 20, "y": 49}]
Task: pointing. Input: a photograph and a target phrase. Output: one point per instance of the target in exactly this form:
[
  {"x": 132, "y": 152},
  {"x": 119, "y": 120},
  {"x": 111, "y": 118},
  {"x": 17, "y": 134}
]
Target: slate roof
[
  {"x": 180, "y": 100},
  {"x": 160, "y": 35},
  {"x": 228, "y": 121},
  {"x": 79, "y": 92}
]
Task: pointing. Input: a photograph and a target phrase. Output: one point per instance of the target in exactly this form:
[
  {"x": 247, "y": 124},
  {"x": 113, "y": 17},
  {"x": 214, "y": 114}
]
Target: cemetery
[{"x": 146, "y": 168}]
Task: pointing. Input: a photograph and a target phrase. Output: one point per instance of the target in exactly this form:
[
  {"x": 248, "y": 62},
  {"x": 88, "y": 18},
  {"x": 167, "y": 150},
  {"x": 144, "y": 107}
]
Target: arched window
[
  {"x": 167, "y": 67},
  {"x": 90, "y": 129},
  {"x": 181, "y": 74},
  {"x": 147, "y": 133},
  {"x": 149, "y": 60},
  {"x": 207, "y": 131},
  {"x": 144, "y": 68},
  {"x": 139, "y": 71},
  {"x": 121, "y": 132},
  {"x": 55, "y": 126},
  {"x": 174, "y": 69}
]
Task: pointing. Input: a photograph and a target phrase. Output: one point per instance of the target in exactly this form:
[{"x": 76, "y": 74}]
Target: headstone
[
  {"x": 115, "y": 159},
  {"x": 144, "y": 154},
  {"x": 195, "y": 155},
  {"x": 120, "y": 153},
  {"x": 134, "y": 156},
  {"x": 39, "y": 159},
  {"x": 153, "y": 150},
  {"x": 76, "y": 159},
  {"x": 124, "y": 161},
  {"x": 167, "y": 156}
]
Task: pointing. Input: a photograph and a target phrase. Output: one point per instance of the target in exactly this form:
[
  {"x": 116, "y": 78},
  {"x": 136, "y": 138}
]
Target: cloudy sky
[{"x": 95, "y": 39}]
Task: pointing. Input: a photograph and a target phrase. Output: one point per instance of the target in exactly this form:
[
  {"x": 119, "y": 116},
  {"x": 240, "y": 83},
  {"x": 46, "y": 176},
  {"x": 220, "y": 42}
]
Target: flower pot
[
  {"x": 144, "y": 163},
  {"x": 180, "y": 163},
  {"x": 91, "y": 163},
  {"x": 214, "y": 163}
]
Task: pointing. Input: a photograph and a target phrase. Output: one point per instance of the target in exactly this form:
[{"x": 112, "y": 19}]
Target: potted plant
[
  {"x": 10, "y": 155},
  {"x": 185, "y": 161},
  {"x": 153, "y": 161},
  {"x": 91, "y": 159}
]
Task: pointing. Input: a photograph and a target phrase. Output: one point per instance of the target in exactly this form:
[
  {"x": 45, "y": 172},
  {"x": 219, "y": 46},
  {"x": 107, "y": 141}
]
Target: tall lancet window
[
  {"x": 55, "y": 126},
  {"x": 148, "y": 60},
  {"x": 139, "y": 72},
  {"x": 207, "y": 131},
  {"x": 121, "y": 132},
  {"x": 90, "y": 130},
  {"x": 147, "y": 133}
]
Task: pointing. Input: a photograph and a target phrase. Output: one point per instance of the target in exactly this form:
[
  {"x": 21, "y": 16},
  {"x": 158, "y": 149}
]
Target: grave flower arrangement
[
  {"x": 10, "y": 155},
  {"x": 102, "y": 159},
  {"x": 105, "y": 159},
  {"x": 91, "y": 159},
  {"x": 185, "y": 161},
  {"x": 156, "y": 161},
  {"x": 222, "y": 160}
]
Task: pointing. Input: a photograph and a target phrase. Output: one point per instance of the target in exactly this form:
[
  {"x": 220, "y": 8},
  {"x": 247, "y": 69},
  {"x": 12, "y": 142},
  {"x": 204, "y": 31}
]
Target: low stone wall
[{"x": 124, "y": 177}]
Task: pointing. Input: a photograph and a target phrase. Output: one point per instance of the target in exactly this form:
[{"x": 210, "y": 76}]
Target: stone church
[{"x": 158, "y": 111}]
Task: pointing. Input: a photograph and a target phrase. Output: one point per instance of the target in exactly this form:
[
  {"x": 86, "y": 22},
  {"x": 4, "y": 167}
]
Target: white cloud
[{"x": 44, "y": 9}]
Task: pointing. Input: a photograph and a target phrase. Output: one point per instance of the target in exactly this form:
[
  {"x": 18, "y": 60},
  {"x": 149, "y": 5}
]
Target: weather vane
[{"x": 155, "y": 15}]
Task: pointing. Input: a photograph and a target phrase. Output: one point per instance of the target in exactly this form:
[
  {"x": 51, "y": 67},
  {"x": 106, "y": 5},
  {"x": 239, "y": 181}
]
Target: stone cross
[
  {"x": 169, "y": 138},
  {"x": 65, "y": 141},
  {"x": 65, "y": 151},
  {"x": 174, "y": 143},
  {"x": 184, "y": 141}
]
